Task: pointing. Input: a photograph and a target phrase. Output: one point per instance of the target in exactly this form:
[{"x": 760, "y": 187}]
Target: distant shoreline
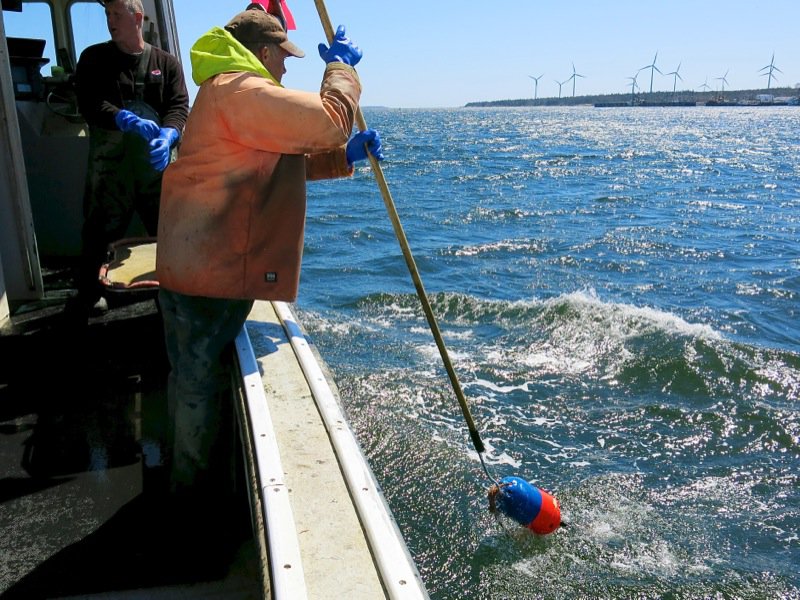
[{"x": 678, "y": 98}]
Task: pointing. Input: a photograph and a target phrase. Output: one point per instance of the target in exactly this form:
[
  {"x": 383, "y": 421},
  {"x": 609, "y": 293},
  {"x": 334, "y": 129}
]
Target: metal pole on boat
[{"x": 412, "y": 267}]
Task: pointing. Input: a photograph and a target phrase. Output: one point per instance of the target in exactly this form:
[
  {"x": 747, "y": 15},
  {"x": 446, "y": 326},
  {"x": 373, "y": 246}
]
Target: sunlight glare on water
[{"x": 618, "y": 291}]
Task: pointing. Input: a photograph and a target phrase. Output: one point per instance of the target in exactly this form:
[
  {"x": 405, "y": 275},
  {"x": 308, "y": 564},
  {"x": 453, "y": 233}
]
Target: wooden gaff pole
[{"x": 412, "y": 267}]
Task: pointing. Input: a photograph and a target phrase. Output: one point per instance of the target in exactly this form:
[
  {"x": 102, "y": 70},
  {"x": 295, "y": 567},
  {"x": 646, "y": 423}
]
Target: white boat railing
[
  {"x": 395, "y": 564},
  {"x": 287, "y": 580}
]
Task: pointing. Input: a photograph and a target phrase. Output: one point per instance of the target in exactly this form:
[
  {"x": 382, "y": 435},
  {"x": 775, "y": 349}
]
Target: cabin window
[
  {"x": 86, "y": 21},
  {"x": 88, "y": 25},
  {"x": 35, "y": 22}
]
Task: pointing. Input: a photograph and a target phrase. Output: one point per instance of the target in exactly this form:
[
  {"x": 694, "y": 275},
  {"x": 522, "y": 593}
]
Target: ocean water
[{"x": 619, "y": 291}]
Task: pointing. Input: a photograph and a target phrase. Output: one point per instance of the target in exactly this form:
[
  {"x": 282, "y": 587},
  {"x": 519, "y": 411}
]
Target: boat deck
[
  {"x": 83, "y": 498},
  {"x": 84, "y": 505}
]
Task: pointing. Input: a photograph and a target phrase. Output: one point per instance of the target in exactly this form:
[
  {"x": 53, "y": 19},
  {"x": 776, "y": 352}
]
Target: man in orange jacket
[{"x": 233, "y": 211}]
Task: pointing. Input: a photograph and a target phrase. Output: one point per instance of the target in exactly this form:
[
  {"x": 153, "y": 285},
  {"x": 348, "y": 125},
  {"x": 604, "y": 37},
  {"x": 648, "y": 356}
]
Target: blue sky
[{"x": 446, "y": 53}]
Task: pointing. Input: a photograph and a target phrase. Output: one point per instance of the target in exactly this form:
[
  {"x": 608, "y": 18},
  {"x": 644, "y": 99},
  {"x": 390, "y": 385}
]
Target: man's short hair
[{"x": 133, "y": 6}]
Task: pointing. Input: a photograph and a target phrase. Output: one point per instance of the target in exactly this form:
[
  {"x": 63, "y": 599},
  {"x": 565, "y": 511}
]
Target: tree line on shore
[{"x": 646, "y": 97}]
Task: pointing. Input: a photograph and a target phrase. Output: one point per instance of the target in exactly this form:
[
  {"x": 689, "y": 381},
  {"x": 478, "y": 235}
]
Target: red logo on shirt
[{"x": 156, "y": 72}]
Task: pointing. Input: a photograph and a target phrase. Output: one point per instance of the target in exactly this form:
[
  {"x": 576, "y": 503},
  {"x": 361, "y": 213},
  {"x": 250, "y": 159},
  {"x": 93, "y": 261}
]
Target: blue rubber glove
[
  {"x": 130, "y": 122},
  {"x": 160, "y": 148},
  {"x": 357, "y": 147},
  {"x": 341, "y": 50}
]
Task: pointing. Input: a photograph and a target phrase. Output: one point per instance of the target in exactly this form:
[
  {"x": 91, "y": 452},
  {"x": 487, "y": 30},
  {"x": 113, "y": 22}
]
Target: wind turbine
[
  {"x": 771, "y": 66},
  {"x": 536, "y": 84},
  {"x": 675, "y": 79},
  {"x": 723, "y": 80},
  {"x": 705, "y": 85},
  {"x": 652, "y": 68},
  {"x": 572, "y": 77},
  {"x": 560, "y": 83},
  {"x": 634, "y": 85}
]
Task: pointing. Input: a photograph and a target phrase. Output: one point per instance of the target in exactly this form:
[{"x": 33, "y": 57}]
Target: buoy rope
[{"x": 485, "y": 470}]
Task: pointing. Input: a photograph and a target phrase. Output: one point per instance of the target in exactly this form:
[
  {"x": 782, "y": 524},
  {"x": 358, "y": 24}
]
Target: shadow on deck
[{"x": 83, "y": 497}]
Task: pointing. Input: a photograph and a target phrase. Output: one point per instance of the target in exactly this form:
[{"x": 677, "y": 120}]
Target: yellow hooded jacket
[{"x": 233, "y": 205}]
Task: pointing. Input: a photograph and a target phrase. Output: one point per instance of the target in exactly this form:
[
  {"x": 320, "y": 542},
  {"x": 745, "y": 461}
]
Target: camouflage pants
[
  {"x": 120, "y": 182},
  {"x": 199, "y": 335}
]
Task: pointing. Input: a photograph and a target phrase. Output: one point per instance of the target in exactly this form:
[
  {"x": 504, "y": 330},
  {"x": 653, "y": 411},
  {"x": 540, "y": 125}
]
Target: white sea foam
[
  {"x": 493, "y": 457},
  {"x": 629, "y": 319},
  {"x": 528, "y": 246},
  {"x": 502, "y": 389}
]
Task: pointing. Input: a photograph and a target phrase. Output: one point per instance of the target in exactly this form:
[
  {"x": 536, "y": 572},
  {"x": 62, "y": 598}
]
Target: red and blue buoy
[{"x": 528, "y": 505}]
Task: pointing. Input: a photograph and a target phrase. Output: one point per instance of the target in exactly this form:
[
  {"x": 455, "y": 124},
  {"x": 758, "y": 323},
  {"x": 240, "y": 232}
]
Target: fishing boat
[{"x": 86, "y": 510}]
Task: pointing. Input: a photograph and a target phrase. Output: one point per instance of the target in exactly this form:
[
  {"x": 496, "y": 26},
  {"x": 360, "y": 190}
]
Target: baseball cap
[{"x": 257, "y": 25}]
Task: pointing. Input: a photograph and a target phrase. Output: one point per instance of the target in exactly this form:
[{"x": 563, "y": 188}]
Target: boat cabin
[{"x": 45, "y": 139}]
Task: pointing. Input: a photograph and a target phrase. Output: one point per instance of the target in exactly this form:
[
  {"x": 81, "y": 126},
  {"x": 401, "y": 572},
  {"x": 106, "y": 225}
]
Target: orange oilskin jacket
[{"x": 233, "y": 204}]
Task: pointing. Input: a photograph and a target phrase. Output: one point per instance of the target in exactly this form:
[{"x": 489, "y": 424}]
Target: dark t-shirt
[{"x": 106, "y": 77}]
